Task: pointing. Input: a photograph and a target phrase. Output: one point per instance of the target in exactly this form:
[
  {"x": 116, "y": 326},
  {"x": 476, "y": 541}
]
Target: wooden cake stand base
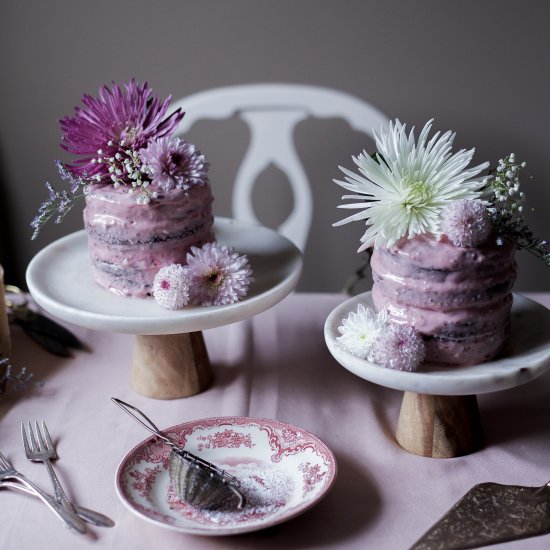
[
  {"x": 439, "y": 426},
  {"x": 439, "y": 416},
  {"x": 171, "y": 361},
  {"x": 170, "y": 366}
]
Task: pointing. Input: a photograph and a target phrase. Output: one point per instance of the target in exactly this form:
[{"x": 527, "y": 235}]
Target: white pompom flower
[
  {"x": 170, "y": 287},
  {"x": 359, "y": 331}
]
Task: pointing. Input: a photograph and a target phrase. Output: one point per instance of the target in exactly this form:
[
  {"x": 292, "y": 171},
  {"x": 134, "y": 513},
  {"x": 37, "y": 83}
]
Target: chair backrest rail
[{"x": 271, "y": 112}]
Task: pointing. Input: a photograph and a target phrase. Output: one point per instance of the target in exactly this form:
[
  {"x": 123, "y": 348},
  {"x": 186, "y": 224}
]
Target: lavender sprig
[
  {"x": 19, "y": 380},
  {"x": 59, "y": 202},
  {"x": 516, "y": 231}
]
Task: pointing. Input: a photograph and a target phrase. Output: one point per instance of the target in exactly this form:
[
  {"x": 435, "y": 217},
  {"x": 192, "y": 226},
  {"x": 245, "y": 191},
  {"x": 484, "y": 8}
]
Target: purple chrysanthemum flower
[
  {"x": 399, "y": 347},
  {"x": 120, "y": 119},
  {"x": 217, "y": 275},
  {"x": 466, "y": 223},
  {"x": 172, "y": 163},
  {"x": 170, "y": 287}
]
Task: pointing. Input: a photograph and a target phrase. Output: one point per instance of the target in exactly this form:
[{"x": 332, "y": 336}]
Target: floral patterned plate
[{"x": 283, "y": 472}]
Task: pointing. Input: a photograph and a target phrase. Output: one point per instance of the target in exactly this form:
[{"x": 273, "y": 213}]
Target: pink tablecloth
[{"x": 275, "y": 365}]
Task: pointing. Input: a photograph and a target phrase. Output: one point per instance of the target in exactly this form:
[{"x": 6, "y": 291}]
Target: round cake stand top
[
  {"x": 526, "y": 356},
  {"x": 59, "y": 278}
]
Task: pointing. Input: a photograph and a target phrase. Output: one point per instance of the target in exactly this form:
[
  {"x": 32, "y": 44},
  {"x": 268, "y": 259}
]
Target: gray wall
[{"x": 479, "y": 67}]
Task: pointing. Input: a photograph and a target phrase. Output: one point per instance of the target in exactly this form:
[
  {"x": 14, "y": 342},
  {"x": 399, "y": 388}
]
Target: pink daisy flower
[
  {"x": 170, "y": 288},
  {"x": 172, "y": 163},
  {"x": 217, "y": 275},
  {"x": 466, "y": 223},
  {"x": 399, "y": 347}
]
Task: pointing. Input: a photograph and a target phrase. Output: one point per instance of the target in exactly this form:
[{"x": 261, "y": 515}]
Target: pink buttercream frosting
[
  {"x": 129, "y": 242},
  {"x": 459, "y": 298}
]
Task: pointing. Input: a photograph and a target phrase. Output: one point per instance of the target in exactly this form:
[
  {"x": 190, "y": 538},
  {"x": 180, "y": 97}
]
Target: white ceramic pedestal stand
[
  {"x": 439, "y": 414},
  {"x": 170, "y": 359}
]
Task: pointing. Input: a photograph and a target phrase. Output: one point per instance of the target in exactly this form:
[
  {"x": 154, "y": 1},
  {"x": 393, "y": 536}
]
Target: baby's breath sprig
[
  {"x": 505, "y": 185},
  {"x": 125, "y": 168},
  {"x": 59, "y": 203},
  {"x": 507, "y": 209}
]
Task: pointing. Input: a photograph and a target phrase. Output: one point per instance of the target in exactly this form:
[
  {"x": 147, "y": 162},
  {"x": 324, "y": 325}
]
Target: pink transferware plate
[{"x": 283, "y": 472}]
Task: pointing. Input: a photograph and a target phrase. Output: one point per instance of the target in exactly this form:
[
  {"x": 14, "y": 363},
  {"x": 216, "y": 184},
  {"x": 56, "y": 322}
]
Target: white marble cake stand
[
  {"x": 439, "y": 414},
  {"x": 170, "y": 359}
]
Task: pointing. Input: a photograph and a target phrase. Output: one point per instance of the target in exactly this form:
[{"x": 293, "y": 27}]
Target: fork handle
[
  {"x": 90, "y": 516},
  {"x": 60, "y": 494},
  {"x": 68, "y": 517}
]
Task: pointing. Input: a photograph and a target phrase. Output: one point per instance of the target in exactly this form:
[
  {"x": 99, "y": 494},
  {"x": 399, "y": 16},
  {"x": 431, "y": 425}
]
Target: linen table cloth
[{"x": 275, "y": 365}]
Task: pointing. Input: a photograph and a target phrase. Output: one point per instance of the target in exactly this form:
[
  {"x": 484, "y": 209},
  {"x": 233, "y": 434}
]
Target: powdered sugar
[{"x": 267, "y": 490}]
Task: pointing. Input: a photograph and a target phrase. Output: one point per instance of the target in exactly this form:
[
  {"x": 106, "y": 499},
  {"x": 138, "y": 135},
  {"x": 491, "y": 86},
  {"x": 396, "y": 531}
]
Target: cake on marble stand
[
  {"x": 170, "y": 358},
  {"x": 439, "y": 414}
]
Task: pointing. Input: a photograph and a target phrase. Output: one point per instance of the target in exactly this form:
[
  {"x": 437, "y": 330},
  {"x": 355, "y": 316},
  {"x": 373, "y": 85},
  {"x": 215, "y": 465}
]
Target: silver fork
[
  {"x": 7, "y": 471},
  {"x": 90, "y": 516},
  {"x": 39, "y": 448}
]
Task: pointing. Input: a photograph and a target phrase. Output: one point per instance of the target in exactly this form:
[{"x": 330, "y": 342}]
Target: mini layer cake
[
  {"x": 130, "y": 242},
  {"x": 458, "y": 298}
]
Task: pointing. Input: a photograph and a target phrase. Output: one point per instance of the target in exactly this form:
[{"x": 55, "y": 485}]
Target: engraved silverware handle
[
  {"x": 63, "y": 499},
  {"x": 56, "y": 507},
  {"x": 60, "y": 494},
  {"x": 91, "y": 516},
  {"x": 39, "y": 447}
]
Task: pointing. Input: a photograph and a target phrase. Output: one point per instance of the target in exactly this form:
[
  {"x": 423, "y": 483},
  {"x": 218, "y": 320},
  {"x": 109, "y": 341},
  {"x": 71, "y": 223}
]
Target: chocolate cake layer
[
  {"x": 130, "y": 242},
  {"x": 459, "y": 299}
]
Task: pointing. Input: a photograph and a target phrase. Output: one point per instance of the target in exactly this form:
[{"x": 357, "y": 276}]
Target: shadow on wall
[{"x": 8, "y": 250}]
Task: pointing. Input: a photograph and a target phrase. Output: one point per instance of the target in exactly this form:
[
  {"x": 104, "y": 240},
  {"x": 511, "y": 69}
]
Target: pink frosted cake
[
  {"x": 443, "y": 237},
  {"x": 458, "y": 298},
  {"x": 148, "y": 214},
  {"x": 130, "y": 242}
]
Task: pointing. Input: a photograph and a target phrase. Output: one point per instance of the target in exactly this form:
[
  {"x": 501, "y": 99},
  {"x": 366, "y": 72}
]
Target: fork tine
[
  {"x": 49, "y": 443},
  {"x": 25, "y": 439},
  {"x": 39, "y": 436},
  {"x": 35, "y": 447},
  {"x": 4, "y": 462}
]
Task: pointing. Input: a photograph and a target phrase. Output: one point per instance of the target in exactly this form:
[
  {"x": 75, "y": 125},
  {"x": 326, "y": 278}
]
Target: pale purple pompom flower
[
  {"x": 466, "y": 223},
  {"x": 174, "y": 163},
  {"x": 170, "y": 287},
  {"x": 399, "y": 347},
  {"x": 217, "y": 275}
]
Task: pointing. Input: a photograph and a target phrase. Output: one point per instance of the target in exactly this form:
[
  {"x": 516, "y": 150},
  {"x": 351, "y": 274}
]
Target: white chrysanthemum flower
[
  {"x": 360, "y": 330},
  {"x": 403, "y": 190}
]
